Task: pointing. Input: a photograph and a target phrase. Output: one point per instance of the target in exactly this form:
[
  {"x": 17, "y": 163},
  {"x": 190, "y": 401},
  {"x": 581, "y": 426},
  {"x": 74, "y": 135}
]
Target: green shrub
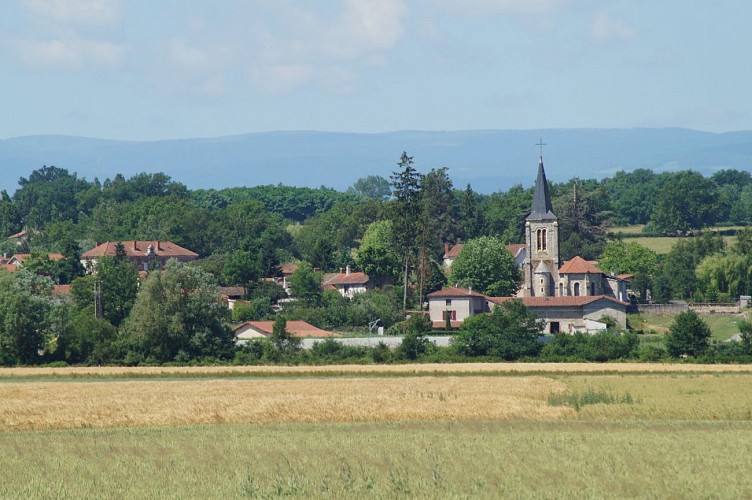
[
  {"x": 600, "y": 347},
  {"x": 589, "y": 397},
  {"x": 414, "y": 345}
]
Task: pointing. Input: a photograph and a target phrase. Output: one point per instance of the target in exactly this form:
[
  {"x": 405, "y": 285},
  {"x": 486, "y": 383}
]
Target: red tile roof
[
  {"x": 569, "y": 301},
  {"x": 287, "y": 269},
  {"x": 454, "y": 251},
  {"x": 348, "y": 279},
  {"x": 232, "y": 291},
  {"x": 294, "y": 327},
  {"x": 515, "y": 248},
  {"x": 11, "y": 268},
  {"x": 23, "y": 257},
  {"x": 61, "y": 290},
  {"x": 135, "y": 248},
  {"x": 455, "y": 292},
  {"x": 578, "y": 265}
]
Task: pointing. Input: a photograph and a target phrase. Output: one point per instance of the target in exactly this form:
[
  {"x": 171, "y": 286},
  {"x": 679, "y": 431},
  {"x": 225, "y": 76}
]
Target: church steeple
[
  {"x": 541, "y": 265},
  {"x": 542, "y": 209}
]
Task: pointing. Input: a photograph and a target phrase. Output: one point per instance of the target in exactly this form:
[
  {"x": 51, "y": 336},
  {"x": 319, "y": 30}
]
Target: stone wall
[
  {"x": 720, "y": 309},
  {"x": 674, "y": 309}
]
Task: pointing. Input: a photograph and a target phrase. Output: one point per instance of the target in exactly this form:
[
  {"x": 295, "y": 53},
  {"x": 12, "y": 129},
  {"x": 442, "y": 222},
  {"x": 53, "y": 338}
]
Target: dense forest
[{"x": 393, "y": 229}]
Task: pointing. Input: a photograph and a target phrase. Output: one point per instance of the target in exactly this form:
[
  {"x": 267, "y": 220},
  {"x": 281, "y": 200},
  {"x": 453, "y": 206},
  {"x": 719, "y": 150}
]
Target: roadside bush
[
  {"x": 651, "y": 353},
  {"x": 331, "y": 351},
  {"x": 417, "y": 323},
  {"x": 252, "y": 352},
  {"x": 381, "y": 353},
  {"x": 603, "y": 346},
  {"x": 414, "y": 345}
]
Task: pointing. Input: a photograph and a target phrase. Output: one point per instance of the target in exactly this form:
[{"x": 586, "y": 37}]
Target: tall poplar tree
[{"x": 406, "y": 211}]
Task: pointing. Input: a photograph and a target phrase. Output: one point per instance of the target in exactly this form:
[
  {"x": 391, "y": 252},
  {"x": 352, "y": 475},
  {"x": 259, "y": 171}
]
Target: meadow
[
  {"x": 722, "y": 327},
  {"x": 475, "y": 430},
  {"x": 664, "y": 244}
]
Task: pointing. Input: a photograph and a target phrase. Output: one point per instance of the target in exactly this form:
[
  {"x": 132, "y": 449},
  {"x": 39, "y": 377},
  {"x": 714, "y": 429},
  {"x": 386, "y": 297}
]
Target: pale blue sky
[{"x": 158, "y": 69}]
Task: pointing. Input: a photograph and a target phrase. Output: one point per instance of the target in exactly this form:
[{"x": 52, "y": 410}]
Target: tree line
[{"x": 392, "y": 229}]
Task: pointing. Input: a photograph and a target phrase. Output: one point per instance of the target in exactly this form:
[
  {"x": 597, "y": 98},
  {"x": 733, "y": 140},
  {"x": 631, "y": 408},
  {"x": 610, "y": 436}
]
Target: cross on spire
[{"x": 541, "y": 144}]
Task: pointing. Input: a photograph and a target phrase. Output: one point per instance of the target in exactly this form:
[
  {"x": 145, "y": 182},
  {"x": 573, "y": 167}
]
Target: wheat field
[
  {"x": 417, "y": 431},
  {"x": 362, "y": 370},
  {"x": 142, "y": 403}
]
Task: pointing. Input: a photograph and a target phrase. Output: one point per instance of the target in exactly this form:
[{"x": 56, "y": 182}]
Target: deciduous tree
[
  {"x": 178, "y": 315},
  {"x": 509, "y": 332},
  {"x": 487, "y": 266},
  {"x": 688, "y": 335}
]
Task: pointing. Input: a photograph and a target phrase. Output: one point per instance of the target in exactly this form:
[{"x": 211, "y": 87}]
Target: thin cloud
[
  {"x": 77, "y": 12},
  {"x": 67, "y": 53},
  {"x": 314, "y": 49},
  {"x": 606, "y": 29},
  {"x": 499, "y": 7}
]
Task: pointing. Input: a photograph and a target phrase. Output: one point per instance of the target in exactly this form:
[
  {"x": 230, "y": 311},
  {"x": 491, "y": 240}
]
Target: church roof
[
  {"x": 578, "y": 265},
  {"x": 542, "y": 268},
  {"x": 542, "y": 209}
]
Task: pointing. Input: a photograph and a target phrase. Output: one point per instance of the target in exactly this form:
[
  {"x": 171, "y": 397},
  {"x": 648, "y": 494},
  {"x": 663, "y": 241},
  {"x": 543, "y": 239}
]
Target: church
[
  {"x": 570, "y": 296},
  {"x": 543, "y": 274}
]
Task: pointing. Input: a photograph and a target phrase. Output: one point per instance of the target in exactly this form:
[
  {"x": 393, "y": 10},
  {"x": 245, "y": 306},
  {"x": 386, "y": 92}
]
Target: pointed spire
[{"x": 542, "y": 209}]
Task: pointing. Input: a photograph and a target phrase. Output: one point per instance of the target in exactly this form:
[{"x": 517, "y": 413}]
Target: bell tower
[{"x": 541, "y": 266}]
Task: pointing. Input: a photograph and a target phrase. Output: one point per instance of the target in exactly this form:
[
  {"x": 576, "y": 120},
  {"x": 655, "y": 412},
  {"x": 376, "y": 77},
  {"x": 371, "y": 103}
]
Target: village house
[
  {"x": 560, "y": 314},
  {"x": 18, "y": 260},
  {"x": 250, "y": 330},
  {"x": 456, "y": 304},
  {"x": 147, "y": 255},
  {"x": 347, "y": 282}
]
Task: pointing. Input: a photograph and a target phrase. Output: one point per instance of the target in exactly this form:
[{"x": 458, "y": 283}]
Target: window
[
  {"x": 576, "y": 289},
  {"x": 448, "y": 302},
  {"x": 555, "y": 327},
  {"x": 541, "y": 240},
  {"x": 452, "y": 315}
]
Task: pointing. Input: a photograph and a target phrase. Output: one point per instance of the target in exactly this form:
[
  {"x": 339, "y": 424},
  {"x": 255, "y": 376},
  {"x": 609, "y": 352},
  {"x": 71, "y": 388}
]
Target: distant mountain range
[{"x": 490, "y": 160}]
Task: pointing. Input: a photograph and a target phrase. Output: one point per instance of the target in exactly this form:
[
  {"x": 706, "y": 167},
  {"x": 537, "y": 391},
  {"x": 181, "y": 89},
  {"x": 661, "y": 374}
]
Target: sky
[{"x": 170, "y": 69}]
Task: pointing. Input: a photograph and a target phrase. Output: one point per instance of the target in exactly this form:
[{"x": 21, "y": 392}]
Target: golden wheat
[
  {"x": 409, "y": 369},
  {"x": 56, "y": 405}
]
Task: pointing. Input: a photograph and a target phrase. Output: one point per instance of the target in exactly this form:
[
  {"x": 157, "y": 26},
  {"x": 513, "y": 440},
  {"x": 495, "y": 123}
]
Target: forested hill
[{"x": 490, "y": 160}]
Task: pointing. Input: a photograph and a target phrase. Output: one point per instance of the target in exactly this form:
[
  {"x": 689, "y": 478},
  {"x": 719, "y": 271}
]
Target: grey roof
[
  {"x": 541, "y": 199},
  {"x": 542, "y": 268}
]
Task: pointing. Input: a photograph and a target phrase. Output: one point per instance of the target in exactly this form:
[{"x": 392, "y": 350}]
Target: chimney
[
  {"x": 446, "y": 248},
  {"x": 347, "y": 270},
  {"x": 470, "y": 289},
  {"x": 341, "y": 270}
]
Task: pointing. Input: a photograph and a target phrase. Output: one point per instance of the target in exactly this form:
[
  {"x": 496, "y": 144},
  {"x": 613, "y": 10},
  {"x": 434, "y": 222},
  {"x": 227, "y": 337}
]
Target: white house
[{"x": 347, "y": 283}]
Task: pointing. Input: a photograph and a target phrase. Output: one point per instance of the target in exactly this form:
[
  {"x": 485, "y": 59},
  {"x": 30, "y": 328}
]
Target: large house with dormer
[{"x": 147, "y": 255}]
